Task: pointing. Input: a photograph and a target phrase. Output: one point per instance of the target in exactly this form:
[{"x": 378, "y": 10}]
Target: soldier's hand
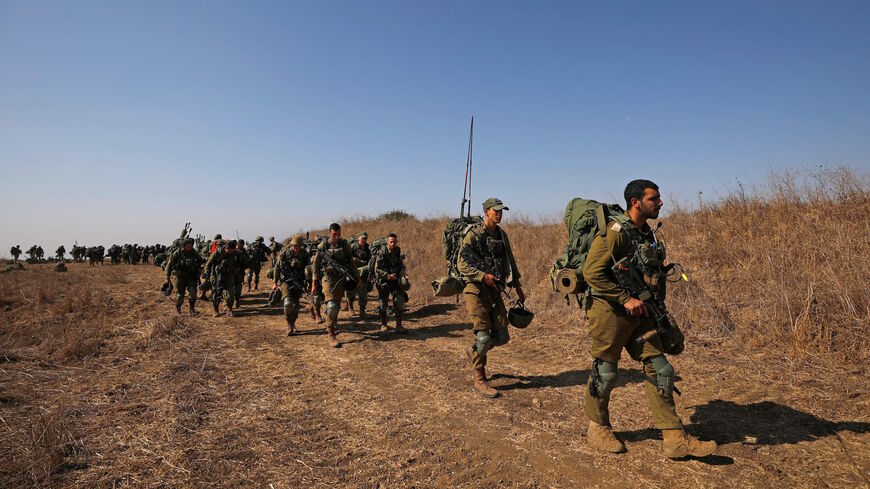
[
  {"x": 313, "y": 289},
  {"x": 521, "y": 295},
  {"x": 274, "y": 286},
  {"x": 635, "y": 307},
  {"x": 490, "y": 280},
  {"x": 166, "y": 282},
  {"x": 393, "y": 276}
]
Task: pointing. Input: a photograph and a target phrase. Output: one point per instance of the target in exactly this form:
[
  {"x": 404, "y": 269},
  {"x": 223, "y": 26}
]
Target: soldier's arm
[
  {"x": 379, "y": 267},
  {"x": 318, "y": 260},
  {"x": 350, "y": 265},
  {"x": 210, "y": 262},
  {"x": 596, "y": 271},
  {"x": 171, "y": 264},
  {"x": 515, "y": 271},
  {"x": 468, "y": 258}
]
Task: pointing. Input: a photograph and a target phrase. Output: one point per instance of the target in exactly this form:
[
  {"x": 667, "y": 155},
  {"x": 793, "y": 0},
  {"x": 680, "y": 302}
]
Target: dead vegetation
[{"x": 102, "y": 385}]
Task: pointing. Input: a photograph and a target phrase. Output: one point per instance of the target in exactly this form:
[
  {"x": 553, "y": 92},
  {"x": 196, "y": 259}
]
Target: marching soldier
[
  {"x": 487, "y": 264},
  {"x": 257, "y": 254},
  {"x": 183, "y": 269},
  {"x": 361, "y": 255},
  {"x": 333, "y": 267},
  {"x": 290, "y": 277},
  {"x": 616, "y": 320},
  {"x": 60, "y": 252},
  {"x": 16, "y": 252},
  {"x": 391, "y": 282},
  {"x": 222, "y": 266}
]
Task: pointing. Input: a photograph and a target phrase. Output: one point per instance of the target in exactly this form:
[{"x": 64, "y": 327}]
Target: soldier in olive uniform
[
  {"x": 390, "y": 276},
  {"x": 16, "y": 252},
  {"x": 244, "y": 262},
  {"x": 290, "y": 277},
  {"x": 59, "y": 252},
  {"x": 316, "y": 301},
  {"x": 332, "y": 282},
  {"x": 616, "y": 320},
  {"x": 183, "y": 269},
  {"x": 223, "y": 266},
  {"x": 361, "y": 255},
  {"x": 487, "y": 264},
  {"x": 257, "y": 253},
  {"x": 274, "y": 250}
]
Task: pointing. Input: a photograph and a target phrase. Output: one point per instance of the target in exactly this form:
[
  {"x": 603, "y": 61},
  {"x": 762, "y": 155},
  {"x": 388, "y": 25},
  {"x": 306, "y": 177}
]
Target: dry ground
[{"x": 102, "y": 385}]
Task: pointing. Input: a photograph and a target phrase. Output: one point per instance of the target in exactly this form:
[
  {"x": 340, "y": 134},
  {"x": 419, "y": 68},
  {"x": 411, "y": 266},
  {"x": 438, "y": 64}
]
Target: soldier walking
[
  {"x": 257, "y": 254},
  {"x": 391, "y": 282},
  {"x": 487, "y": 264},
  {"x": 16, "y": 252},
  {"x": 361, "y": 254},
  {"x": 331, "y": 262},
  {"x": 222, "y": 266},
  {"x": 183, "y": 270},
  {"x": 289, "y": 275}
]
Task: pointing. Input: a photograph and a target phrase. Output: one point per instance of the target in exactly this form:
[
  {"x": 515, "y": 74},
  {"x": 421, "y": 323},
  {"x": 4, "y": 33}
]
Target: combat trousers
[
  {"x": 333, "y": 293},
  {"x": 225, "y": 291},
  {"x": 613, "y": 329},
  {"x": 290, "y": 299},
  {"x": 385, "y": 292},
  {"x": 182, "y": 283},
  {"x": 254, "y": 273},
  {"x": 489, "y": 315}
]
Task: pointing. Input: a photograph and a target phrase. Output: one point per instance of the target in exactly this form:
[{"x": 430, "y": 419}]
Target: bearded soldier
[
  {"x": 487, "y": 264},
  {"x": 361, "y": 255},
  {"x": 290, "y": 277},
  {"x": 183, "y": 269},
  {"x": 616, "y": 321},
  {"x": 257, "y": 255},
  {"x": 223, "y": 266},
  {"x": 16, "y": 252},
  {"x": 391, "y": 281},
  {"x": 333, "y": 267}
]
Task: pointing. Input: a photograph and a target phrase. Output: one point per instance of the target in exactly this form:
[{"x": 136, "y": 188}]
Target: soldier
[
  {"x": 361, "y": 255},
  {"x": 289, "y": 275},
  {"x": 391, "y": 281},
  {"x": 244, "y": 260},
  {"x": 16, "y": 252},
  {"x": 222, "y": 266},
  {"x": 146, "y": 252},
  {"x": 487, "y": 265},
  {"x": 257, "y": 254},
  {"x": 316, "y": 299},
  {"x": 274, "y": 250},
  {"x": 40, "y": 253},
  {"x": 332, "y": 260},
  {"x": 60, "y": 252},
  {"x": 616, "y": 320},
  {"x": 183, "y": 269}
]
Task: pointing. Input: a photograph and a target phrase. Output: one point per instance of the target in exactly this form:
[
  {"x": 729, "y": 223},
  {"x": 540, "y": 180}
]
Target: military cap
[
  {"x": 296, "y": 240},
  {"x": 494, "y": 203},
  {"x": 218, "y": 236},
  {"x": 363, "y": 234},
  {"x": 231, "y": 244},
  {"x": 259, "y": 239}
]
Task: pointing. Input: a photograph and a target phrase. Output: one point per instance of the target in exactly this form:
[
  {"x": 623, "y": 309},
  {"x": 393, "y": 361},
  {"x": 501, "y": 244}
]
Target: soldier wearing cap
[
  {"x": 290, "y": 277},
  {"x": 391, "y": 281},
  {"x": 257, "y": 254},
  {"x": 361, "y": 254},
  {"x": 337, "y": 251},
  {"x": 223, "y": 265},
  {"x": 183, "y": 269},
  {"x": 487, "y": 265}
]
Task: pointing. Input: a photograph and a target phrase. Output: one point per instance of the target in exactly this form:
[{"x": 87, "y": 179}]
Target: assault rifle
[
  {"x": 632, "y": 280},
  {"x": 341, "y": 269}
]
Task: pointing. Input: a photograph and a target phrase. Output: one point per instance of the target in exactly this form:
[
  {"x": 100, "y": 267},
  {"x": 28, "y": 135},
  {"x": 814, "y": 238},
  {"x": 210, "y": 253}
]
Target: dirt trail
[{"x": 233, "y": 401}]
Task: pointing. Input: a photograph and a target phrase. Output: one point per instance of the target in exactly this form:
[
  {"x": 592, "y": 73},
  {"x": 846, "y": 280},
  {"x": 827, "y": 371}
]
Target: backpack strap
[{"x": 601, "y": 217}]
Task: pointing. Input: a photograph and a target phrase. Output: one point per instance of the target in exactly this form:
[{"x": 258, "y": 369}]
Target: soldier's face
[
  {"x": 391, "y": 243},
  {"x": 185, "y": 247},
  {"x": 297, "y": 249},
  {"x": 651, "y": 203},
  {"x": 493, "y": 215},
  {"x": 334, "y": 236},
  {"x": 230, "y": 251},
  {"x": 362, "y": 240}
]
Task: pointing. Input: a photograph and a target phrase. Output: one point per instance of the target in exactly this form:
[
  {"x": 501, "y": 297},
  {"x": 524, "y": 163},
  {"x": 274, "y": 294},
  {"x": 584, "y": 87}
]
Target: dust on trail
[{"x": 235, "y": 402}]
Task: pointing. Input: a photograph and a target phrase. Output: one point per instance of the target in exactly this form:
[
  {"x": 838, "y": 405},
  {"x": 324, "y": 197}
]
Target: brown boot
[
  {"x": 399, "y": 328},
  {"x": 333, "y": 341},
  {"x": 602, "y": 438},
  {"x": 311, "y": 310},
  {"x": 679, "y": 444},
  {"x": 217, "y": 312},
  {"x": 481, "y": 385},
  {"x": 291, "y": 327}
]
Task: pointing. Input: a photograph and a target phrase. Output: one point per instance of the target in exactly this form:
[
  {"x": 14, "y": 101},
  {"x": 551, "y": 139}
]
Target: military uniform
[
  {"x": 290, "y": 275},
  {"x": 60, "y": 252},
  {"x": 223, "y": 268},
  {"x": 361, "y": 256},
  {"x": 388, "y": 263},
  {"x": 317, "y": 296},
  {"x": 16, "y": 252},
  {"x": 331, "y": 280},
  {"x": 183, "y": 270},
  {"x": 244, "y": 263},
  {"x": 274, "y": 250},
  {"x": 257, "y": 255}
]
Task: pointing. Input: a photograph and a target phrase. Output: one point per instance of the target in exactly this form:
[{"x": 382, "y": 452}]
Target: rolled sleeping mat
[{"x": 568, "y": 281}]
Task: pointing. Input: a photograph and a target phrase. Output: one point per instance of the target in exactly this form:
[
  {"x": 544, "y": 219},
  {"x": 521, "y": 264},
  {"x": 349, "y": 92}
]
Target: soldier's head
[
  {"x": 271, "y": 239},
  {"x": 642, "y": 199},
  {"x": 492, "y": 210},
  {"x": 230, "y": 247},
  {"x": 334, "y": 233},
  {"x": 259, "y": 239},
  {"x": 241, "y": 243},
  {"x": 217, "y": 237},
  {"x": 296, "y": 243},
  {"x": 363, "y": 238},
  {"x": 187, "y": 244},
  {"x": 392, "y": 241}
]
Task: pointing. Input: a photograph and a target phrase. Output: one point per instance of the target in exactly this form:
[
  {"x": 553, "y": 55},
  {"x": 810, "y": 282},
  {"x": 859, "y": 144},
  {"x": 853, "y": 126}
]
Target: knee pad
[
  {"x": 484, "y": 342},
  {"x": 398, "y": 301},
  {"x": 287, "y": 302},
  {"x": 500, "y": 337},
  {"x": 664, "y": 374},
  {"x": 332, "y": 308},
  {"x": 604, "y": 376}
]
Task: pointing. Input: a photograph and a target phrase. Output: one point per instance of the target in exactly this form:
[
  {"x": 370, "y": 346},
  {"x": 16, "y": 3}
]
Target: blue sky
[{"x": 120, "y": 121}]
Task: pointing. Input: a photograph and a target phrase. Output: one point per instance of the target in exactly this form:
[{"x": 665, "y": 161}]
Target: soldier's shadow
[
  {"x": 568, "y": 378},
  {"x": 413, "y": 333},
  {"x": 431, "y": 310}
]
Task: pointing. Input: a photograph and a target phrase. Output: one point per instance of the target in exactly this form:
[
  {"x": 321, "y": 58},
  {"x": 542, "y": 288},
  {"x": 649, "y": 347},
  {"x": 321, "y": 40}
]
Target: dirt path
[{"x": 233, "y": 401}]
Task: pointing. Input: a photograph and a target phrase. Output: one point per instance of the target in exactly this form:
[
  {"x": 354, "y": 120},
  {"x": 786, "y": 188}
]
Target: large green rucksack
[
  {"x": 451, "y": 242},
  {"x": 583, "y": 219}
]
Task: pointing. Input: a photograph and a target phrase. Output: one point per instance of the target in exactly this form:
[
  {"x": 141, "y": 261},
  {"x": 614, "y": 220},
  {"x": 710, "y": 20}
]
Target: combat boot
[
  {"x": 178, "y": 308},
  {"x": 482, "y": 386},
  {"x": 399, "y": 328},
  {"x": 229, "y": 311},
  {"x": 362, "y": 314},
  {"x": 291, "y": 327},
  {"x": 602, "y": 438},
  {"x": 192, "y": 310},
  {"x": 384, "y": 327},
  {"x": 217, "y": 311},
  {"x": 333, "y": 341},
  {"x": 678, "y": 444}
]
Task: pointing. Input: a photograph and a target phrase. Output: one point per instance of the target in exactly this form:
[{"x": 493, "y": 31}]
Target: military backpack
[{"x": 451, "y": 242}]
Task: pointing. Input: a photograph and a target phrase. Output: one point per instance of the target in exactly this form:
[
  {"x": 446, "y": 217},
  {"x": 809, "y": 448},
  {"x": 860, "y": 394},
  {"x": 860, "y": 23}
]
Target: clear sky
[{"x": 120, "y": 120}]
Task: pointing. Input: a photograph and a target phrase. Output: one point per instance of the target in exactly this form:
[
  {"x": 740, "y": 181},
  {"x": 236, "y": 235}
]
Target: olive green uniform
[
  {"x": 361, "y": 256},
  {"x": 183, "y": 270},
  {"x": 387, "y": 263},
  {"x": 290, "y": 275},
  {"x": 613, "y": 329},
  {"x": 330, "y": 279},
  {"x": 244, "y": 262},
  {"x": 257, "y": 254},
  {"x": 223, "y": 269},
  {"x": 482, "y": 253}
]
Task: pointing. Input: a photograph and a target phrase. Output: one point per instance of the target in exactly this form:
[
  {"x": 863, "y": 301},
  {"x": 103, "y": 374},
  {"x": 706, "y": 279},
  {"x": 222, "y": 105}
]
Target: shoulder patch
[{"x": 616, "y": 226}]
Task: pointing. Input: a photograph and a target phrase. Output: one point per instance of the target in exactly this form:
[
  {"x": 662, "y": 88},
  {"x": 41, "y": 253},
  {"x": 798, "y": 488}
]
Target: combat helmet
[
  {"x": 519, "y": 316},
  {"x": 404, "y": 283}
]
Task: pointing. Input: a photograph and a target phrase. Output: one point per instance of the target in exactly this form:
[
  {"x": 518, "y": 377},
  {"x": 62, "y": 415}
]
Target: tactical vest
[
  {"x": 361, "y": 255},
  {"x": 292, "y": 267},
  {"x": 187, "y": 264},
  {"x": 492, "y": 250}
]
